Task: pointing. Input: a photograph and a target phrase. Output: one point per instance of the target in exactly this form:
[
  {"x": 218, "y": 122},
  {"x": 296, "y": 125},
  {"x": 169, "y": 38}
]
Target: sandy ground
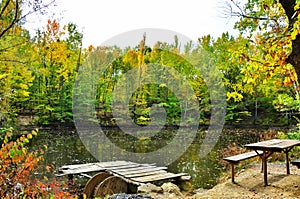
[{"x": 249, "y": 184}]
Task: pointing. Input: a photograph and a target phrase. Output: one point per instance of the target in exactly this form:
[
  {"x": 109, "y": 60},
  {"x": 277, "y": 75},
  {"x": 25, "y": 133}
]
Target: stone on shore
[{"x": 148, "y": 188}]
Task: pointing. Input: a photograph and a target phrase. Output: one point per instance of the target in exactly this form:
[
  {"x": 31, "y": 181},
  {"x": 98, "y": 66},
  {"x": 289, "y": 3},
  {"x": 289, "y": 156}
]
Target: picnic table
[{"x": 268, "y": 147}]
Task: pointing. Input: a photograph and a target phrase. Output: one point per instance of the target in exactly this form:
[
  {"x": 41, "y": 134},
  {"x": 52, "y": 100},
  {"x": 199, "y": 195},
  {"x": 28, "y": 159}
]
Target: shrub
[
  {"x": 17, "y": 167},
  {"x": 293, "y": 135}
]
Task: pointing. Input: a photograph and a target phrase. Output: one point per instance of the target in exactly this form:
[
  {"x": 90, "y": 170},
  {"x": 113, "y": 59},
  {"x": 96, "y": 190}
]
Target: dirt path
[{"x": 249, "y": 184}]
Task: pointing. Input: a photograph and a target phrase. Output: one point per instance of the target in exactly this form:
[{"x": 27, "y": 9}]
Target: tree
[
  {"x": 16, "y": 52},
  {"x": 58, "y": 56},
  {"x": 271, "y": 67},
  {"x": 275, "y": 25},
  {"x": 12, "y": 12}
]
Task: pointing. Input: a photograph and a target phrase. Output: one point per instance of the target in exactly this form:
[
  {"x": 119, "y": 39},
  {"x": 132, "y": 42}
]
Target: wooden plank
[
  {"x": 139, "y": 170},
  {"x": 134, "y": 167},
  {"x": 145, "y": 174},
  {"x": 122, "y": 167},
  {"x": 137, "y": 167},
  {"x": 288, "y": 143},
  {"x": 90, "y": 168},
  {"x": 274, "y": 144},
  {"x": 157, "y": 177},
  {"x": 130, "y": 169},
  {"x": 243, "y": 156},
  {"x": 82, "y": 167},
  {"x": 115, "y": 164},
  {"x": 93, "y": 167},
  {"x": 75, "y": 166},
  {"x": 100, "y": 164}
]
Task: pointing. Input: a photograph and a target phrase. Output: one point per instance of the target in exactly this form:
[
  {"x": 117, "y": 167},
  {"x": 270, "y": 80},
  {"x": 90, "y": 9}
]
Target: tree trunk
[{"x": 292, "y": 15}]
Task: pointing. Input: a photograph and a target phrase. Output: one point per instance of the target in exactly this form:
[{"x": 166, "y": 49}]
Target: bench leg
[
  {"x": 70, "y": 179},
  {"x": 232, "y": 172}
]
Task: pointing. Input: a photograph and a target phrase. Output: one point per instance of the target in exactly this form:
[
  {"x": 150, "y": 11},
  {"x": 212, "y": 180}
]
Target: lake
[{"x": 66, "y": 147}]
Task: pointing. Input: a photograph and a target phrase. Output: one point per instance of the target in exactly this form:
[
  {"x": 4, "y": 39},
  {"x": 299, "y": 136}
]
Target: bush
[
  {"x": 17, "y": 167},
  {"x": 293, "y": 135}
]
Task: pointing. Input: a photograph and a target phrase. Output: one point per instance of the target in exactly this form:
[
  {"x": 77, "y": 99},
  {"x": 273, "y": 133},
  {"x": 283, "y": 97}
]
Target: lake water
[{"x": 66, "y": 147}]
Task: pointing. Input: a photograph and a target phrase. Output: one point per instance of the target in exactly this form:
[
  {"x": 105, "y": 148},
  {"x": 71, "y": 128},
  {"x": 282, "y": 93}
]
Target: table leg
[
  {"x": 287, "y": 162},
  {"x": 264, "y": 162}
]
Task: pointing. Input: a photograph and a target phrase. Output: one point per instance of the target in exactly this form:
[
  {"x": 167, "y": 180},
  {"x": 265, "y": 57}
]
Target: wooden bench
[
  {"x": 237, "y": 158},
  {"x": 296, "y": 163}
]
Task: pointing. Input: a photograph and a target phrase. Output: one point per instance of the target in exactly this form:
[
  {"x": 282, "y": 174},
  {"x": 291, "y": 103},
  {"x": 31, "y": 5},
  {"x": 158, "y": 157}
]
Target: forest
[
  {"x": 259, "y": 69},
  {"x": 38, "y": 73}
]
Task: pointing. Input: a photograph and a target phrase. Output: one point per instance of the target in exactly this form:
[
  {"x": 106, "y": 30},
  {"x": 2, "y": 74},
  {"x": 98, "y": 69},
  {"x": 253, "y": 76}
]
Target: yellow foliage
[
  {"x": 131, "y": 57},
  {"x": 235, "y": 96},
  {"x": 2, "y": 76}
]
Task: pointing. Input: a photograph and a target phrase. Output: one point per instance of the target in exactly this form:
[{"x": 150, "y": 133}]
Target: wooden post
[{"x": 232, "y": 172}]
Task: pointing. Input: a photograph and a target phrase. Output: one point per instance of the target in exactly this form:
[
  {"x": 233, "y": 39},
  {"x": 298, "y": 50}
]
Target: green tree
[
  {"x": 58, "y": 56},
  {"x": 16, "y": 55},
  {"x": 271, "y": 29}
]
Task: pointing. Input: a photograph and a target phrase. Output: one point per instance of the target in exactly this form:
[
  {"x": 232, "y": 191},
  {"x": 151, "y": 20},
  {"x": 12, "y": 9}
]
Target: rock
[
  {"x": 185, "y": 186},
  {"x": 148, "y": 188},
  {"x": 166, "y": 196},
  {"x": 200, "y": 190},
  {"x": 129, "y": 196},
  {"x": 171, "y": 188}
]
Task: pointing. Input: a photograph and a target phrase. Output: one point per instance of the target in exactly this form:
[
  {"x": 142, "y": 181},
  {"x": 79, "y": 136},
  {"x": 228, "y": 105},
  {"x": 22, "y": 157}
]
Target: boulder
[
  {"x": 148, "y": 188},
  {"x": 171, "y": 188}
]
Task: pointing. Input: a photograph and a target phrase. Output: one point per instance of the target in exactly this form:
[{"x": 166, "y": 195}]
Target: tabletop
[{"x": 274, "y": 144}]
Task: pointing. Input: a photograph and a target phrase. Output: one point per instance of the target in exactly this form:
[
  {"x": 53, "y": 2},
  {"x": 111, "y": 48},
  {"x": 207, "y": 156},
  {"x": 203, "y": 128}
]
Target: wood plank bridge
[{"x": 118, "y": 176}]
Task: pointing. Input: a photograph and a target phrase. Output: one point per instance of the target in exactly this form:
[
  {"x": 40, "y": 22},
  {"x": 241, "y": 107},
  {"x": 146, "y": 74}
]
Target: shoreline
[{"x": 249, "y": 184}]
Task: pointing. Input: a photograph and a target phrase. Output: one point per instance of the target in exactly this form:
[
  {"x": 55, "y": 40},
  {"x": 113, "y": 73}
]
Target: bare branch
[
  {"x": 16, "y": 19},
  {"x": 239, "y": 12},
  {"x": 36, "y": 9},
  {"x": 257, "y": 18}
]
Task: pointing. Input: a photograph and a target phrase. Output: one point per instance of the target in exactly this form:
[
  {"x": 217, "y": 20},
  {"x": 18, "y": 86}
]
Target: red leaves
[{"x": 17, "y": 167}]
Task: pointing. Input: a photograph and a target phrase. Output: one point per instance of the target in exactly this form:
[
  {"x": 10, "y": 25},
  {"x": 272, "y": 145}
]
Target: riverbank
[{"x": 249, "y": 184}]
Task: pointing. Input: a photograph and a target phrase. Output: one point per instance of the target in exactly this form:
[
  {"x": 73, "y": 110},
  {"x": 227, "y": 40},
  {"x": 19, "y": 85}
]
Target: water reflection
[{"x": 67, "y": 148}]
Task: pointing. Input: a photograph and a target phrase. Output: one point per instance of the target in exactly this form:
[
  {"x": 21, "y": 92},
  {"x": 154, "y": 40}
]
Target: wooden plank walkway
[{"x": 132, "y": 172}]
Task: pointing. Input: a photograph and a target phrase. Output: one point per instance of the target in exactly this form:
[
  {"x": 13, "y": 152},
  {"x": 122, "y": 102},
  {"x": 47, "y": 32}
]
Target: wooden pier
[{"x": 117, "y": 176}]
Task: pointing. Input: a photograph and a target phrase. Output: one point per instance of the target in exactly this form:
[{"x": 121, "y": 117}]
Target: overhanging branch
[
  {"x": 17, "y": 12},
  {"x": 14, "y": 21},
  {"x": 240, "y": 12}
]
